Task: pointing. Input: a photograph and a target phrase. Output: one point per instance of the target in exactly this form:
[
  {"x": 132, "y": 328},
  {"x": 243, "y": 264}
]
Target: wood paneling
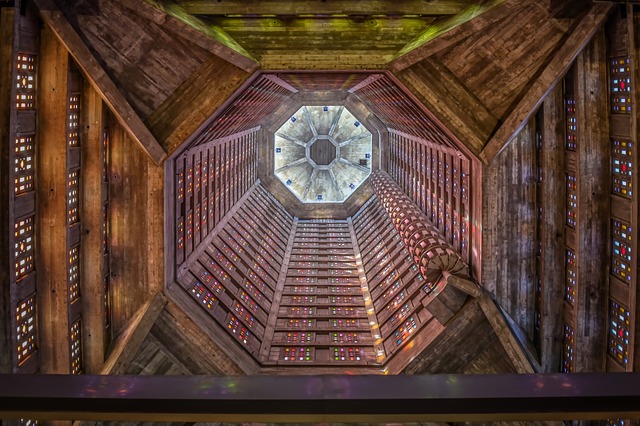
[
  {"x": 52, "y": 205},
  {"x": 147, "y": 62},
  {"x": 136, "y": 192},
  {"x": 346, "y": 7},
  {"x": 508, "y": 228},
  {"x": 194, "y": 101},
  {"x": 92, "y": 244},
  {"x": 463, "y": 347},
  {"x": 593, "y": 204},
  {"x": 94, "y": 70},
  {"x": 553, "y": 255},
  {"x": 302, "y": 43}
]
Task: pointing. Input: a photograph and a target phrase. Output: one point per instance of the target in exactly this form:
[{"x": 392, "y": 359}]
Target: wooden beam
[
  {"x": 553, "y": 249},
  {"x": 191, "y": 104},
  {"x": 53, "y": 298},
  {"x": 593, "y": 192},
  {"x": 505, "y": 335},
  {"x": 321, "y": 7},
  {"x": 100, "y": 80},
  {"x": 134, "y": 334},
  {"x": 92, "y": 255},
  {"x": 444, "y": 33},
  {"x": 192, "y": 29},
  {"x": 546, "y": 81},
  {"x": 323, "y": 399},
  {"x": 439, "y": 90}
]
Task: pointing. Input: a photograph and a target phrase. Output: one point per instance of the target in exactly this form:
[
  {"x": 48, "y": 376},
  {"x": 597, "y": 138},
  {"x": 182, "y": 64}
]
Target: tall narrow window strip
[
  {"x": 620, "y": 85},
  {"x": 24, "y": 247},
  {"x": 25, "y": 81},
  {"x": 619, "y": 325},
  {"x": 73, "y": 120},
  {"x": 621, "y": 250},
  {"x": 26, "y": 328},
  {"x": 568, "y": 351},
  {"x": 73, "y": 276},
  {"x": 75, "y": 338},
  {"x": 23, "y": 164},
  {"x": 73, "y": 197},
  {"x": 622, "y": 167}
]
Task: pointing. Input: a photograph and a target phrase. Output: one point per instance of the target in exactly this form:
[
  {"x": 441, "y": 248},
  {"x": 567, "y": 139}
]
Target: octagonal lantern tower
[{"x": 322, "y": 154}]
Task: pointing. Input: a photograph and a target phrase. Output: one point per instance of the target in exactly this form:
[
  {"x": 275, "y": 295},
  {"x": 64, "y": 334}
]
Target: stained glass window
[
  {"x": 572, "y": 200},
  {"x": 570, "y": 278},
  {"x": 23, "y": 164},
  {"x": 23, "y": 247},
  {"x": 75, "y": 336},
  {"x": 73, "y": 276},
  {"x": 25, "y": 81},
  {"x": 347, "y": 354},
  {"x": 619, "y": 318},
  {"x": 568, "y": 349},
  {"x": 622, "y": 165},
  {"x": 238, "y": 330},
  {"x": 620, "y": 85},
  {"x": 621, "y": 247},
  {"x": 73, "y": 121},
  {"x": 403, "y": 332},
  {"x": 204, "y": 295},
  {"x": 572, "y": 125},
  {"x": 73, "y": 197},
  {"x": 296, "y": 354},
  {"x": 26, "y": 328}
]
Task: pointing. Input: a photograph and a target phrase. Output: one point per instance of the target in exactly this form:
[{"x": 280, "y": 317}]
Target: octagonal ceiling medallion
[{"x": 322, "y": 154}]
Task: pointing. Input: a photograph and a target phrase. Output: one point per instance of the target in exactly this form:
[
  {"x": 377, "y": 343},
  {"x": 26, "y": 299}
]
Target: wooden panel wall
[
  {"x": 145, "y": 60},
  {"x": 508, "y": 228},
  {"x": 592, "y": 167},
  {"x": 136, "y": 190},
  {"x": 551, "y": 218}
]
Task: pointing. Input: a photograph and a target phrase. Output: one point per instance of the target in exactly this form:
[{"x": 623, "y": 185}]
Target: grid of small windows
[
  {"x": 204, "y": 295},
  {"x": 23, "y": 247},
  {"x": 23, "y": 164},
  {"x": 403, "y": 332},
  {"x": 351, "y": 353},
  {"x": 296, "y": 354},
  {"x": 568, "y": 349},
  {"x": 239, "y": 330},
  {"x": 26, "y": 328},
  {"x": 621, "y": 247},
  {"x": 621, "y": 167},
  {"x": 572, "y": 200},
  {"x": 75, "y": 337},
  {"x": 73, "y": 121},
  {"x": 619, "y": 318},
  {"x": 73, "y": 276},
  {"x": 571, "y": 139},
  {"x": 620, "y": 85},
  {"x": 295, "y": 337},
  {"x": 73, "y": 197},
  {"x": 570, "y": 277},
  {"x": 25, "y": 81},
  {"x": 344, "y": 337}
]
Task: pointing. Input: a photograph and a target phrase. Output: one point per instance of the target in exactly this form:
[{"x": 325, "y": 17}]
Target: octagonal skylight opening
[{"x": 322, "y": 154}]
